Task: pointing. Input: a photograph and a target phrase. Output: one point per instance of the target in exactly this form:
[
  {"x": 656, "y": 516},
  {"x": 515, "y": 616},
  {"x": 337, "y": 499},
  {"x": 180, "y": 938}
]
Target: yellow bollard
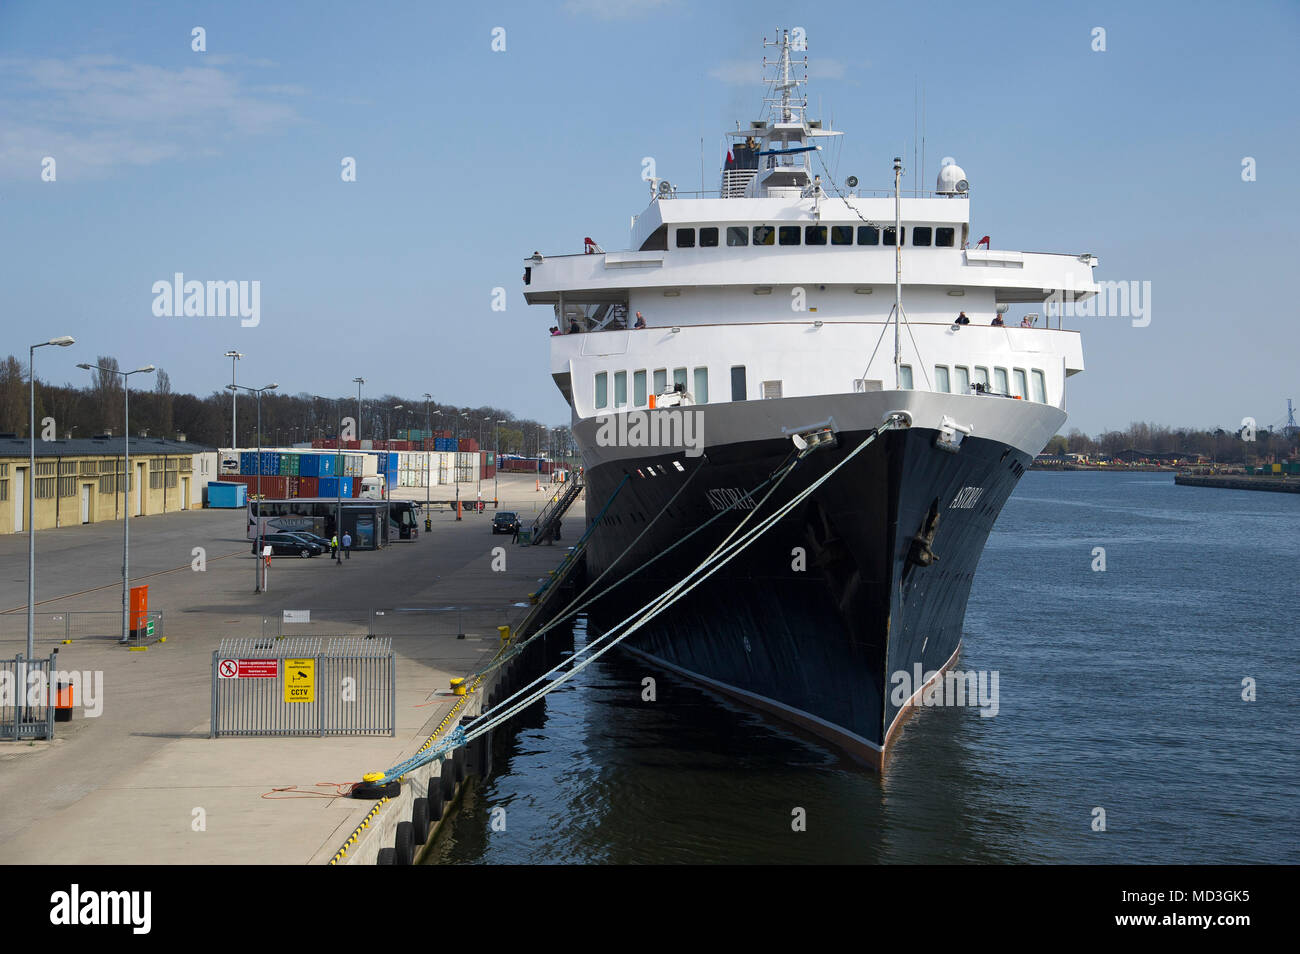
[
  {"x": 458, "y": 686},
  {"x": 505, "y": 633}
]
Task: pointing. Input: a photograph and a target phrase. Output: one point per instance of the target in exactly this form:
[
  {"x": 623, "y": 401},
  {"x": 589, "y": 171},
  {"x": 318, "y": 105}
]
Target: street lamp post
[
  {"x": 62, "y": 342},
  {"x": 234, "y": 356},
  {"x": 496, "y": 470},
  {"x": 428, "y": 460},
  {"x": 338, "y": 487},
  {"x": 257, "y": 537},
  {"x": 126, "y": 489}
]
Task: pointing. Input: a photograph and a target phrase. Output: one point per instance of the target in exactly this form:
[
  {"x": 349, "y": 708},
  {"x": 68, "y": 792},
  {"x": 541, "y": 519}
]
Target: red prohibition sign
[{"x": 228, "y": 669}]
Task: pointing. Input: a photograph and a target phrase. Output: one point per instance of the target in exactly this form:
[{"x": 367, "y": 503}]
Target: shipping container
[
  {"x": 308, "y": 487},
  {"x": 272, "y": 487},
  {"x": 224, "y": 494}
]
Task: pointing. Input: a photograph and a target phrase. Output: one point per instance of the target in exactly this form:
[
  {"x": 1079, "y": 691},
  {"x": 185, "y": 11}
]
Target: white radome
[{"x": 952, "y": 180}]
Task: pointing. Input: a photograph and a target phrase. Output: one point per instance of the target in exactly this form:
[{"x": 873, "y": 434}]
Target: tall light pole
[
  {"x": 338, "y": 486},
  {"x": 234, "y": 356},
  {"x": 126, "y": 489},
  {"x": 388, "y": 433},
  {"x": 496, "y": 460},
  {"x": 62, "y": 342},
  {"x": 257, "y": 538},
  {"x": 428, "y": 461},
  {"x": 358, "y": 382}
]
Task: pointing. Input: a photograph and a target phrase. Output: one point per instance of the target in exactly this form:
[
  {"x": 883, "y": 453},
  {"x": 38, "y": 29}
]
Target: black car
[
  {"x": 288, "y": 544},
  {"x": 505, "y": 522},
  {"x": 315, "y": 538}
]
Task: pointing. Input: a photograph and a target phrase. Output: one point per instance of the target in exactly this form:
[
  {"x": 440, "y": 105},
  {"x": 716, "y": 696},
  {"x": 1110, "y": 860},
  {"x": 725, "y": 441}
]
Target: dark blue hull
[{"x": 814, "y": 617}]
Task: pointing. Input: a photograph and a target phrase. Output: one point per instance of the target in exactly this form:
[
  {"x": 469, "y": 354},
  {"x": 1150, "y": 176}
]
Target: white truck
[{"x": 372, "y": 487}]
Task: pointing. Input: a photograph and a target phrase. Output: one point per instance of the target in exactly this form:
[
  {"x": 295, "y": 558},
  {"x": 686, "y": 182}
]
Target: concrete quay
[{"x": 143, "y": 783}]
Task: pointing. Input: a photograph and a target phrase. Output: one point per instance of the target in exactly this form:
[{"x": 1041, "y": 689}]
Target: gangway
[{"x": 547, "y": 525}]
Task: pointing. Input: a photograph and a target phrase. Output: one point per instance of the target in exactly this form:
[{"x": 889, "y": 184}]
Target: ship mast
[{"x": 898, "y": 270}]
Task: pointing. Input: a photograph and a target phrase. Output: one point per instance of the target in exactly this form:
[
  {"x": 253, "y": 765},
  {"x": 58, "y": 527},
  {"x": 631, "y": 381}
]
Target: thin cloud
[{"x": 97, "y": 113}]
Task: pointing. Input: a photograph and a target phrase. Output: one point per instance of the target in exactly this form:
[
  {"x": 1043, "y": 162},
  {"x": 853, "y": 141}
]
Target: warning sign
[
  {"x": 248, "y": 668},
  {"x": 300, "y": 680}
]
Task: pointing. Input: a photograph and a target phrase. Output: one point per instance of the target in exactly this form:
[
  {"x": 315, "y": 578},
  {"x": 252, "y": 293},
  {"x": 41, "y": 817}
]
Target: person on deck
[
  {"x": 640, "y": 322},
  {"x": 997, "y": 322},
  {"x": 962, "y": 319}
]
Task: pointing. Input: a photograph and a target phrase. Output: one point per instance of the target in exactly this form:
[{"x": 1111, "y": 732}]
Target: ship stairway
[{"x": 546, "y": 526}]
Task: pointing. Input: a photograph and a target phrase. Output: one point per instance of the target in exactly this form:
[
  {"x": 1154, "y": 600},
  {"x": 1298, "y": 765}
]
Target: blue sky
[{"x": 225, "y": 165}]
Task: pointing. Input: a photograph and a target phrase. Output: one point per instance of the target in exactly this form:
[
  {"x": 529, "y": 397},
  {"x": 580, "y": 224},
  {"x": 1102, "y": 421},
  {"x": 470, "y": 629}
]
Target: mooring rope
[{"x": 721, "y": 555}]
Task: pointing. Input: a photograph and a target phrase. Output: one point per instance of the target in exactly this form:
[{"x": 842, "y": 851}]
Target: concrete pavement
[{"x": 142, "y": 782}]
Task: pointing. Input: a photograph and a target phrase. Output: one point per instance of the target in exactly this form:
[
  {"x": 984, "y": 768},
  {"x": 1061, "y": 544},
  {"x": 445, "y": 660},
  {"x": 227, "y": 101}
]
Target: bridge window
[
  {"x": 905, "y": 377},
  {"x": 737, "y": 235},
  {"x": 841, "y": 235},
  {"x": 961, "y": 380},
  {"x": 686, "y": 238},
  {"x": 1021, "y": 383},
  {"x": 738, "y": 383},
  {"x": 638, "y": 389},
  {"x": 941, "y": 378},
  {"x": 814, "y": 235},
  {"x": 602, "y": 390},
  {"x": 709, "y": 237},
  {"x": 1000, "y": 384},
  {"x": 944, "y": 237},
  {"x": 868, "y": 235},
  {"x": 921, "y": 235},
  {"x": 679, "y": 377},
  {"x": 661, "y": 380},
  {"x": 1040, "y": 387},
  {"x": 982, "y": 377},
  {"x": 789, "y": 235},
  {"x": 620, "y": 389},
  {"x": 764, "y": 235},
  {"x": 888, "y": 237},
  {"x": 701, "y": 386}
]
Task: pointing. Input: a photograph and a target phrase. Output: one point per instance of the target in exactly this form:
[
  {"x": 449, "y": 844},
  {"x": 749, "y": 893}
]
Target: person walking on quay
[
  {"x": 334, "y": 546},
  {"x": 347, "y": 545}
]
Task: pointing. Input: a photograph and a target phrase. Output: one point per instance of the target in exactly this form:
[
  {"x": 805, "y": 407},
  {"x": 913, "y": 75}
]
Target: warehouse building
[{"x": 82, "y": 480}]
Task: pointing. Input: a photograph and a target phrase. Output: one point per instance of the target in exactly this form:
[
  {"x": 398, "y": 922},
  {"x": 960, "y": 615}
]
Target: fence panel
[
  {"x": 346, "y": 688},
  {"x": 25, "y": 709}
]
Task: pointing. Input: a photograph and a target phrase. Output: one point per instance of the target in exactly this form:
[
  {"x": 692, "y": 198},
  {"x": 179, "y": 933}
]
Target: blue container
[
  {"x": 226, "y": 495},
  {"x": 328, "y": 487},
  {"x": 346, "y": 483},
  {"x": 392, "y": 461},
  {"x": 309, "y": 465},
  {"x": 248, "y": 462}
]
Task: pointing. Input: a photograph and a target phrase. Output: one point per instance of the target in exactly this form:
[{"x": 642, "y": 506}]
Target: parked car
[
  {"x": 505, "y": 522},
  {"x": 315, "y": 538},
  {"x": 288, "y": 544}
]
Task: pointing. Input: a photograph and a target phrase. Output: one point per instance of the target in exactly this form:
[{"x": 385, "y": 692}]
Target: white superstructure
[{"x": 782, "y": 285}]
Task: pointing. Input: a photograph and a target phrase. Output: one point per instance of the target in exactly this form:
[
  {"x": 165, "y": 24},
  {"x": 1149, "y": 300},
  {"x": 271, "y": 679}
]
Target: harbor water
[{"x": 1120, "y": 700}]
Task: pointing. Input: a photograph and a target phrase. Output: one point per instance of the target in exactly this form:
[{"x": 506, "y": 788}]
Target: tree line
[
  {"x": 159, "y": 411},
  {"x": 1217, "y": 444}
]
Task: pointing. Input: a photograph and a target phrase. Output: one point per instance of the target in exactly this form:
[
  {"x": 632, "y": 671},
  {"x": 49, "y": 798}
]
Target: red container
[
  {"x": 468, "y": 445},
  {"x": 273, "y": 488},
  {"x": 356, "y": 487},
  {"x": 308, "y": 486}
]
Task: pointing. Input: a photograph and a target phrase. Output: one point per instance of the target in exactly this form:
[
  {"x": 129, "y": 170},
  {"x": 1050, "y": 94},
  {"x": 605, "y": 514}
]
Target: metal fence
[
  {"x": 81, "y": 624},
  {"x": 450, "y": 620},
  {"x": 25, "y": 710},
  {"x": 293, "y": 686}
]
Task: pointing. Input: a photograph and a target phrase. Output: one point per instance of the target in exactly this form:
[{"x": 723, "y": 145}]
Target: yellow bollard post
[
  {"x": 505, "y": 633},
  {"x": 458, "y": 687}
]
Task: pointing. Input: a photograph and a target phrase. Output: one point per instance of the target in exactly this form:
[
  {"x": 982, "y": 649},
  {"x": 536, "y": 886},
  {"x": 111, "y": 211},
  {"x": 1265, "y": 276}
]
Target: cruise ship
[{"x": 791, "y": 339}]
